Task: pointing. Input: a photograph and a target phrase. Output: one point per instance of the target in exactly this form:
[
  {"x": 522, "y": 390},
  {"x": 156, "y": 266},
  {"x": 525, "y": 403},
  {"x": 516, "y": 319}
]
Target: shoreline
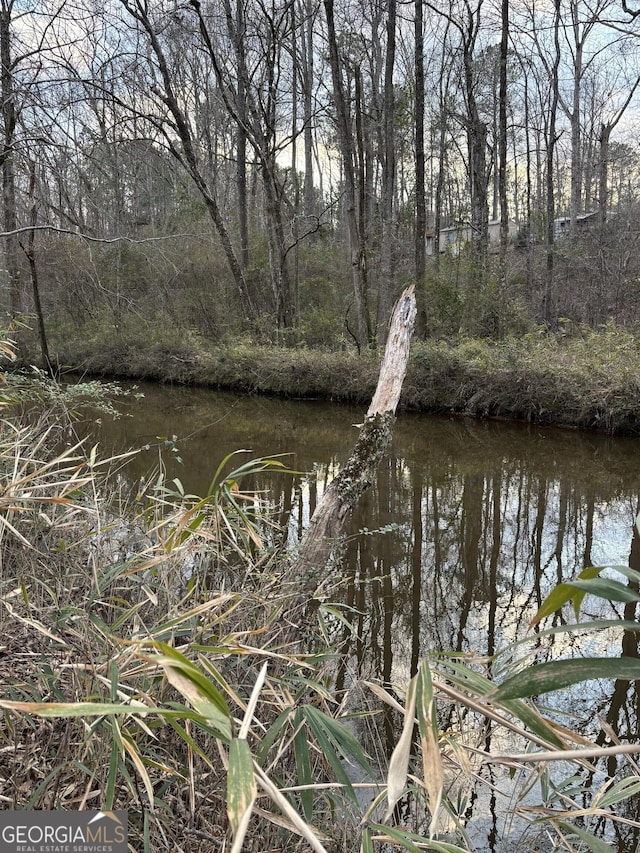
[{"x": 590, "y": 383}]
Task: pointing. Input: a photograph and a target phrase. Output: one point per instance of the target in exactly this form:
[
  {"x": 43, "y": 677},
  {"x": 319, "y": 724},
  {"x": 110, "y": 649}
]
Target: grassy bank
[{"x": 588, "y": 379}]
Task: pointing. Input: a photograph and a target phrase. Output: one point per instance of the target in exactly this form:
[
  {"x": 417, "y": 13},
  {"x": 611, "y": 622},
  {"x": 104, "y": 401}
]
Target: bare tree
[
  {"x": 9, "y": 114},
  {"x": 385, "y": 288},
  {"x": 421, "y": 205},
  {"x": 179, "y": 137},
  {"x": 364, "y": 332},
  {"x": 502, "y": 145}
]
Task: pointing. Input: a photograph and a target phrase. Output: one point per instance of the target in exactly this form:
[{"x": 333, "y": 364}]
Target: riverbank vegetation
[
  {"x": 152, "y": 660},
  {"x": 587, "y": 378}
]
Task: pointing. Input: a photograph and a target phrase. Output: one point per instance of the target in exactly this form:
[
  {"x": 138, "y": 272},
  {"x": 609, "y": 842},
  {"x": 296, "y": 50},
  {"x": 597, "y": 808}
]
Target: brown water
[{"x": 479, "y": 521}]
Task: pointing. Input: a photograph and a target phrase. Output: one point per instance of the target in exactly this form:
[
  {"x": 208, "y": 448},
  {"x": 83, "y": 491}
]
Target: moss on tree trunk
[{"x": 358, "y": 473}]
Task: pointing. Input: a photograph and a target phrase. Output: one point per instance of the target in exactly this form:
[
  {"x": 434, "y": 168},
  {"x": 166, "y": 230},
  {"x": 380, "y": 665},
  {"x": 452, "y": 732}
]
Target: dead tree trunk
[{"x": 357, "y": 474}]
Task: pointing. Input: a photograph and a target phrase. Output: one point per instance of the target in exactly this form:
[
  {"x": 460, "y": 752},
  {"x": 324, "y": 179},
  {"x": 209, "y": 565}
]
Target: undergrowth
[{"x": 585, "y": 378}]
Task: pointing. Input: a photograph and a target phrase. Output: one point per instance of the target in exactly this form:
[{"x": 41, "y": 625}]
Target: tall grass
[{"x": 148, "y": 664}]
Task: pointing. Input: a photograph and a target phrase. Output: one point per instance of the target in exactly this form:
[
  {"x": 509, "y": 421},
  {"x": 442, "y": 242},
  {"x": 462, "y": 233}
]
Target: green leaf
[
  {"x": 563, "y": 593},
  {"x": 596, "y": 845},
  {"x": 626, "y": 787},
  {"x": 241, "y": 783},
  {"x": 303, "y": 765},
  {"x": 399, "y": 837},
  {"x": 470, "y": 680},
  {"x": 406, "y": 839},
  {"x": 336, "y": 742},
  {"x": 111, "y": 778},
  {"x": 343, "y": 738},
  {"x": 73, "y": 709},
  {"x": 606, "y": 588},
  {"x": 545, "y": 677},
  {"x": 589, "y": 581},
  {"x": 366, "y": 844},
  {"x": 272, "y": 734},
  {"x": 194, "y": 686},
  {"x": 573, "y": 628}
]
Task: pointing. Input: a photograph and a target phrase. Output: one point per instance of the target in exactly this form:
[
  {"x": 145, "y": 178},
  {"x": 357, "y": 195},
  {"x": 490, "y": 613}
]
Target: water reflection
[
  {"x": 478, "y": 520},
  {"x": 467, "y": 528}
]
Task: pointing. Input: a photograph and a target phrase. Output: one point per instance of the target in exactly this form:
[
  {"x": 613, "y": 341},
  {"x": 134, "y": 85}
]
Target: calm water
[{"x": 480, "y": 520}]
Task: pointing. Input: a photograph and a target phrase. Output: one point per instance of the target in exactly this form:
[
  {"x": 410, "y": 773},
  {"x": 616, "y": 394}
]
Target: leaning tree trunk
[{"x": 357, "y": 474}]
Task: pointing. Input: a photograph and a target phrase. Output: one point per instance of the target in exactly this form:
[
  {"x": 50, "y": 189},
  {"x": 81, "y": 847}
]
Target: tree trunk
[
  {"x": 385, "y": 289},
  {"x": 502, "y": 157},
  {"x": 603, "y": 167},
  {"x": 241, "y": 155},
  {"x": 357, "y": 474},
  {"x": 7, "y": 155},
  {"x": 188, "y": 156},
  {"x": 421, "y": 206},
  {"x": 576, "y": 141},
  {"x": 30, "y": 254},
  {"x": 551, "y": 144},
  {"x": 307, "y": 74},
  {"x": 345, "y": 136}
]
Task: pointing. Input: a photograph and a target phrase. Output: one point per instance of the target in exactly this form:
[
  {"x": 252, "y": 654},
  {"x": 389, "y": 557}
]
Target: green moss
[{"x": 359, "y": 472}]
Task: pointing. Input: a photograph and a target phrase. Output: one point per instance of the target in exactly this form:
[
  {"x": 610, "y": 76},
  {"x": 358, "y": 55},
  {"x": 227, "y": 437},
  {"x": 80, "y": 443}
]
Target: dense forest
[{"x": 281, "y": 169}]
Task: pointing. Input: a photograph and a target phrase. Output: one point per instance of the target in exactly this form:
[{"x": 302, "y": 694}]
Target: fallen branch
[{"x": 358, "y": 473}]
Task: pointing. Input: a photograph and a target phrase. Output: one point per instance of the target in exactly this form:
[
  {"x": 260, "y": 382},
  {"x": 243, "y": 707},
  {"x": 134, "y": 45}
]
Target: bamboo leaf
[
  {"x": 596, "y": 845},
  {"x": 241, "y": 783},
  {"x": 339, "y": 735},
  {"x": 606, "y": 588},
  {"x": 429, "y": 735},
  {"x": 588, "y": 581},
  {"x": 545, "y": 677},
  {"x": 111, "y": 777},
  {"x": 200, "y": 702},
  {"x": 289, "y": 812},
  {"x": 557, "y": 598},
  {"x": 412, "y": 842},
  {"x": 303, "y": 765},
  {"x": 328, "y": 748},
  {"x": 73, "y": 709},
  {"x": 399, "y": 762},
  {"x": 366, "y": 844},
  {"x": 390, "y": 833},
  {"x": 174, "y": 660},
  {"x": 253, "y": 701},
  {"x": 468, "y": 679},
  {"x": 563, "y": 593},
  {"x": 272, "y": 734},
  {"x": 138, "y": 761},
  {"x": 626, "y": 787}
]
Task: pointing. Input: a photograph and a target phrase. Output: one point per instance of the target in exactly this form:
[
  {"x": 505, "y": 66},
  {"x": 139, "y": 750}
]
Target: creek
[{"x": 466, "y": 529}]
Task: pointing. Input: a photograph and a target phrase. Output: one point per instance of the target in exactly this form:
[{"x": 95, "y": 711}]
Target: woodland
[{"x": 277, "y": 172}]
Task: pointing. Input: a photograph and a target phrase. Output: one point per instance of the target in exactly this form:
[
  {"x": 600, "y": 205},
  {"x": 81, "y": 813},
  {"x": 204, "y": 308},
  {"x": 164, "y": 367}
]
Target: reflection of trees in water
[
  {"x": 621, "y": 712},
  {"x": 489, "y": 518},
  {"x": 474, "y": 556}
]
